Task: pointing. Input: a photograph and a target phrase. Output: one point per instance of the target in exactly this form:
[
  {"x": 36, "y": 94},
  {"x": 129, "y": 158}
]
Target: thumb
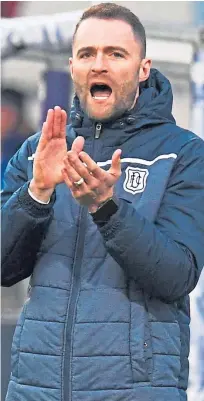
[
  {"x": 78, "y": 144},
  {"x": 115, "y": 168}
]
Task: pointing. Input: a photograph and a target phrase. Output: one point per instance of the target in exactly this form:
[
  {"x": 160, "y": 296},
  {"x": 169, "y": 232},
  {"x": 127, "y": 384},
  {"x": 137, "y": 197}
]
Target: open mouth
[{"x": 100, "y": 91}]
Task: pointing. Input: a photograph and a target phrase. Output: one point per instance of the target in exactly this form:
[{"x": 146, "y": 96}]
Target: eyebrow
[{"x": 107, "y": 48}]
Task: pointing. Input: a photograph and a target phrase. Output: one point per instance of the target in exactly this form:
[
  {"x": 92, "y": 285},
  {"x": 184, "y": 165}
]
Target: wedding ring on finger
[{"x": 78, "y": 183}]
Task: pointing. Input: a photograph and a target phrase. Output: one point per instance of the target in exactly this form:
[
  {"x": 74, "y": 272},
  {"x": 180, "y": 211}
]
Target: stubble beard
[{"x": 125, "y": 98}]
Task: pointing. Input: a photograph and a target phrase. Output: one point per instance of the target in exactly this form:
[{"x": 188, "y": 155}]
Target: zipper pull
[{"x": 98, "y": 130}]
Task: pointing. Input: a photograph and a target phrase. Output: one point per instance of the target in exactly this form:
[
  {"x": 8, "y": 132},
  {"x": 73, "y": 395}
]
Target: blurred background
[{"x": 36, "y": 45}]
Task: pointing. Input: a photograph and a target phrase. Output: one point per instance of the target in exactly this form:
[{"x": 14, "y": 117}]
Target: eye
[
  {"x": 118, "y": 55},
  {"x": 85, "y": 55}
]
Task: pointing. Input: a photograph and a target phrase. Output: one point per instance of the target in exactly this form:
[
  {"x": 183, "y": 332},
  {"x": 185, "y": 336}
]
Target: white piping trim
[
  {"x": 131, "y": 160},
  {"x": 31, "y": 157},
  {"x": 140, "y": 161}
]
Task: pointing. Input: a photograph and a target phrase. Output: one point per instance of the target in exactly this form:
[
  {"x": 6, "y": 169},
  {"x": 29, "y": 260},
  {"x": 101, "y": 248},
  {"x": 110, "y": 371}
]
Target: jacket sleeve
[
  {"x": 24, "y": 221},
  {"x": 165, "y": 257}
]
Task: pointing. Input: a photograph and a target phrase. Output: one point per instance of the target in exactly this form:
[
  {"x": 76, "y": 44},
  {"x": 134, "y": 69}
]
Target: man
[{"x": 107, "y": 217}]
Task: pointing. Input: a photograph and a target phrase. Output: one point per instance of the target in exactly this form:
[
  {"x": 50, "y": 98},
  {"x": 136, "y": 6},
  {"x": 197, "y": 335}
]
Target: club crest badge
[{"x": 135, "y": 180}]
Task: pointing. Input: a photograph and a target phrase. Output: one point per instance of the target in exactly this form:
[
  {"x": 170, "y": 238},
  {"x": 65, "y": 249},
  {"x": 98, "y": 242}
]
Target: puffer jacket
[{"x": 107, "y": 312}]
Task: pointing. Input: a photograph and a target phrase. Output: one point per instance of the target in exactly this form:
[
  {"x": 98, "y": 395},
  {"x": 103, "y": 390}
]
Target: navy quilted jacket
[{"x": 107, "y": 313}]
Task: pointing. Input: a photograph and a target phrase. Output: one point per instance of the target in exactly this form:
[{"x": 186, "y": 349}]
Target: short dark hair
[{"x": 113, "y": 11}]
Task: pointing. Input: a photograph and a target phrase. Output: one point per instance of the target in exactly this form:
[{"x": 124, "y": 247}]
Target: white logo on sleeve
[{"x": 135, "y": 180}]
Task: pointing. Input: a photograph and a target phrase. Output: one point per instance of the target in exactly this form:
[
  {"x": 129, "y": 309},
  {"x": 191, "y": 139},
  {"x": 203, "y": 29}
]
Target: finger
[
  {"x": 77, "y": 191},
  {"x": 82, "y": 169},
  {"x": 81, "y": 192},
  {"x": 49, "y": 120},
  {"x": 73, "y": 188},
  {"x": 115, "y": 168},
  {"x": 57, "y": 122},
  {"x": 71, "y": 172},
  {"x": 92, "y": 167},
  {"x": 62, "y": 133},
  {"x": 78, "y": 144},
  {"x": 66, "y": 178},
  {"x": 44, "y": 137}
]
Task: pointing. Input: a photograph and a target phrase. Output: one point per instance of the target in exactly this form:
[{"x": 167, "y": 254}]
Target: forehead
[{"x": 101, "y": 33}]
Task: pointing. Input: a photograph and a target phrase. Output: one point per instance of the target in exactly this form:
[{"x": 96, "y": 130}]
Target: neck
[{"x": 135, "y": 99}]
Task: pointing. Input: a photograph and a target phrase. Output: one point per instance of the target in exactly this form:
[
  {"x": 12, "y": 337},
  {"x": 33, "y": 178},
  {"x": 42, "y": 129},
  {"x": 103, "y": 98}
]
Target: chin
[{"x": 102, "y": 116}]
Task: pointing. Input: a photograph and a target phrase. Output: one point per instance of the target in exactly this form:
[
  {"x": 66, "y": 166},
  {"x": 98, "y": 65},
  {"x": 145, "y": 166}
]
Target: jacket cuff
[
  {"x": 120, "y": 220},
  {"x": 34, "y": 208},
  {"x": 107, "y": 229}
]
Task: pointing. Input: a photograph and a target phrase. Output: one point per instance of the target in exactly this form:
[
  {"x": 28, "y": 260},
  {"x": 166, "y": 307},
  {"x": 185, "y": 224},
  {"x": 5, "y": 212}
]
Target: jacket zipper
[
  {"x": 71, "y": 312},
  {"x": 74, "y": 292},
  {"x": 98, "y": 129}
]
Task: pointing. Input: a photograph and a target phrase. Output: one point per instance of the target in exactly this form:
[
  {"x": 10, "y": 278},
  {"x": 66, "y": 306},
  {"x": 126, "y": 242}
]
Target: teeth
[{"x": 100, "y": 97}]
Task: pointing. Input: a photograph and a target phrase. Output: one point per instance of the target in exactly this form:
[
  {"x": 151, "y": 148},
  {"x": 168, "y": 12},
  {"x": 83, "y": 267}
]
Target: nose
[{"x": 99, "y": 64}]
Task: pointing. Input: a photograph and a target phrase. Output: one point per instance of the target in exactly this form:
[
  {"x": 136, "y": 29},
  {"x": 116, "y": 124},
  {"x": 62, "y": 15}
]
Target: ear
[
  {"x": 144, "y": 71},
  {"x": 71, "y": 66}
]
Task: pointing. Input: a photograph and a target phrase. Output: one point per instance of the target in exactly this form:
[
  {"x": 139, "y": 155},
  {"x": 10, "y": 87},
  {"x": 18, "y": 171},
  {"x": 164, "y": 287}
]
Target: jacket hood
[{"x": 153, "y": 107}]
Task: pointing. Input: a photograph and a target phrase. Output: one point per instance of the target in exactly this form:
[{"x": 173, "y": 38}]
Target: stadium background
[{"x": 174, "y": 34}]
